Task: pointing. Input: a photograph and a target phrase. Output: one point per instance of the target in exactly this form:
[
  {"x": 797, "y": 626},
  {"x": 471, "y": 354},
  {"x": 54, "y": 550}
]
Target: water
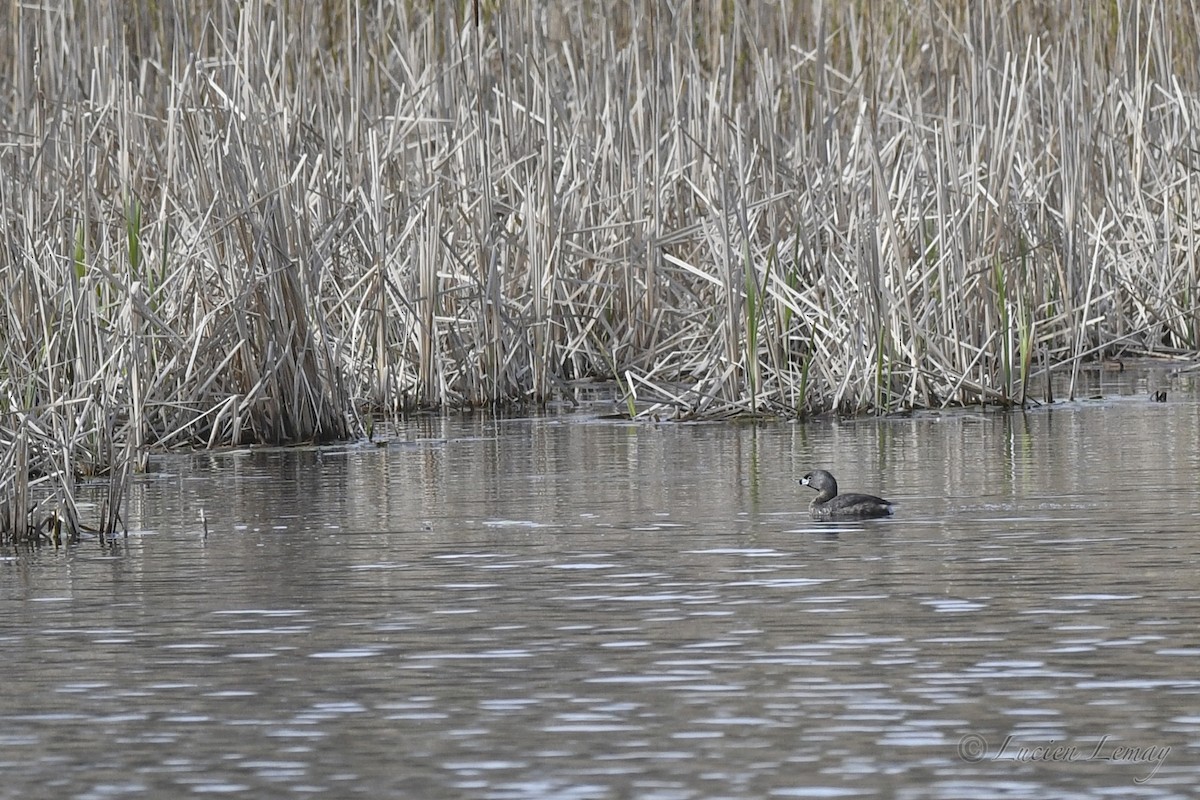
[{"x": 580, "y": 608}]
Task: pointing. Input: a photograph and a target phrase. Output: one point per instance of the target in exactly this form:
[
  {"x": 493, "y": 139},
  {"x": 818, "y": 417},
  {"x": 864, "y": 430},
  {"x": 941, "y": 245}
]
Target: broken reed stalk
[{"x": 241, "y": 222}]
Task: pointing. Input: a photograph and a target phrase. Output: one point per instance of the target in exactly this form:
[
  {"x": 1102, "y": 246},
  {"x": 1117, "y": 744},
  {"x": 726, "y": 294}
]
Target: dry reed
[{"x": 237, "y": 222}]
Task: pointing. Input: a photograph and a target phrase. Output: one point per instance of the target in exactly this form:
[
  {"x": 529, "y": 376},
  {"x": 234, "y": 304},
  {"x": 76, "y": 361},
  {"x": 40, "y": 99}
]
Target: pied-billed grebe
[{"x": 831, "y": 505}]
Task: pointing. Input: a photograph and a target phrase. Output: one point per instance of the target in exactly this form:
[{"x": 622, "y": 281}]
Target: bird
[{"x": 828, "y": 504}]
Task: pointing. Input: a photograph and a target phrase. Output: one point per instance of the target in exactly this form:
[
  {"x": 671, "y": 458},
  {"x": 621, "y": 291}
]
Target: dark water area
[{"x": 573, "y": 607}]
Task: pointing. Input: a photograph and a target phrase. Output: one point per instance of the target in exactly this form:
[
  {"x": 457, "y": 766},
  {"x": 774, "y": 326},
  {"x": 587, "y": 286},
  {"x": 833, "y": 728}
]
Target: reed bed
[{"x": 257, "y": 221}]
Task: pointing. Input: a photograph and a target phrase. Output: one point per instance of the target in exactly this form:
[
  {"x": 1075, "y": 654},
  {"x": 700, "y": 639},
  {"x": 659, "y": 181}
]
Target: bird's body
[{"x": 828, "y": 504}]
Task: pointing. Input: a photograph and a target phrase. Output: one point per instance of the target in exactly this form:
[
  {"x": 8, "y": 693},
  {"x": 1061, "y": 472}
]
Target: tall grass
[{"x": 248, "y": 222}]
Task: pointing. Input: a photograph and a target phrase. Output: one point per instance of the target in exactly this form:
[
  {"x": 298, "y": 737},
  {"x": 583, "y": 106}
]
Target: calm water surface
[{"x": 578, "y": 608}]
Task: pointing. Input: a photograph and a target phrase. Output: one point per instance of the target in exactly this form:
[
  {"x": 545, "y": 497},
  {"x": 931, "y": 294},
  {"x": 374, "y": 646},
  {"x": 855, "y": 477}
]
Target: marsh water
[{"x": 574, "y": 607}]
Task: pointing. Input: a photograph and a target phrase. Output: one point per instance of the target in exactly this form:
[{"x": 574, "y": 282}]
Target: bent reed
[{"x": 252, "y": 222}]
